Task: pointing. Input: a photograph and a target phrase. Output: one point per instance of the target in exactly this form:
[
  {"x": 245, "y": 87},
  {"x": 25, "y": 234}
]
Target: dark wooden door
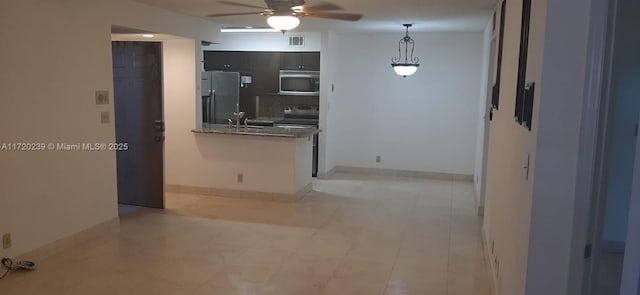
[{"x": 137, "y": 77}]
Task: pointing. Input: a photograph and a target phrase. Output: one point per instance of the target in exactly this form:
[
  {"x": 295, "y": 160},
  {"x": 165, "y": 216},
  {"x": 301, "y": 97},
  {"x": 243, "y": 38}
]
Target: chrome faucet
[{"x": 239, "y": 115}]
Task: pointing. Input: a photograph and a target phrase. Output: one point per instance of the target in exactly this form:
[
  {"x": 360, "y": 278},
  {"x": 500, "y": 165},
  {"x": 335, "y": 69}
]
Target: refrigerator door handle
[
  {"x": 207, "y": 111},
  {"x": 211, "y": 107}
]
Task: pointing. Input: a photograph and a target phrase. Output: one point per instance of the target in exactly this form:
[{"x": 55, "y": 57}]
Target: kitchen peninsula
[
  {"x": 275, "y": 156},
  {"x": 269, "y": 163}
]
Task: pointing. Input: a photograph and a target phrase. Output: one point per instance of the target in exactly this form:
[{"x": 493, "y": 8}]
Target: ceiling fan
[{"x": 285, "y": 15}]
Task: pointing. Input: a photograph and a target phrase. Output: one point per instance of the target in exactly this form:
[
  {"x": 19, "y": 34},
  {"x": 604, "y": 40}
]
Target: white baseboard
[
  {"x": 232, "y": 193},
  {"x": 327, "y": 174},
  {"x": 407, "y": 173}
]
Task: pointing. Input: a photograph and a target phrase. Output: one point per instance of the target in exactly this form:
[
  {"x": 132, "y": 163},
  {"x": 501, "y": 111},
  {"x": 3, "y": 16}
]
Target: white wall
[
  {"x": 265, "y": 42},
  {"x": 532, "y": 222},
  {"x": 65, "y": 46},
  {"x": 426, "y": 122},
  {"x": 268, "y": 164},
  {"x": 360, "y": 117},
  {"x": 328, "y": 119},
  {"x": 509, "y": 192},
  {"x": 483, "y": 116},
  {"x": 325, "y": 91}
]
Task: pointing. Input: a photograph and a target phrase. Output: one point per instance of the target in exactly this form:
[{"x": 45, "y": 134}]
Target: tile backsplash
[{"x": 272, "y": 106}]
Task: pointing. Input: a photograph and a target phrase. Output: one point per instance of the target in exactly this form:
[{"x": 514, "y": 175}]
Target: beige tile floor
[{"x": 354, "y": 234}]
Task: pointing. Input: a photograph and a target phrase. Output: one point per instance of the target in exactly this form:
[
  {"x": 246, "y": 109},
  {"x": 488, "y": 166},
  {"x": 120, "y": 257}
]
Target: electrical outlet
[
  {"x": 104, "y": 117},
  {"x": 378, "y": 159},
  {"x": 240, "y": 177},
  {"x": 102, "y": 97},
  {"x": 6, "y": 241}
]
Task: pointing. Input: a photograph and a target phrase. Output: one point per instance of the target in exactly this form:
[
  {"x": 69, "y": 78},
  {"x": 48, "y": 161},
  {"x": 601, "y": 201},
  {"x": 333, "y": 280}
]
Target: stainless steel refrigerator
[{"x": 220, "y": 95}]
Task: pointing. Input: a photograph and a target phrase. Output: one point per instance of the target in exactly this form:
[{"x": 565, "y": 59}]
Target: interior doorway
[
  {"x": 617, "y": 152},
  {"x": 138, "y": 101}
]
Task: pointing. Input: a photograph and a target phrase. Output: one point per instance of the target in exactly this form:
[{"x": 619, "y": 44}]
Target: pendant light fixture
[{"x": 408, "y": 65}]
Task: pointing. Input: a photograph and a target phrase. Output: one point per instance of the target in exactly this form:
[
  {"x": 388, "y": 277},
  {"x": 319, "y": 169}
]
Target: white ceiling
[{"x": 379, "y": 15}]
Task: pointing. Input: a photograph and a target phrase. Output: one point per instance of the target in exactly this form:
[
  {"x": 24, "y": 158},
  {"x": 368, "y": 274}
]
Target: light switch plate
[
  {"x": 105, "y": 118},
  {"x": 102, "y": 97}
]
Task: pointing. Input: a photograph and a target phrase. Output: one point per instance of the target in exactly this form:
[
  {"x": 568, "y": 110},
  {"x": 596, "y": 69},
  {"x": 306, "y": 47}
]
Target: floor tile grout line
[
  {"x": 449, "y": 246},
  {"x": 457, "y": 199},
  {"x": 395, "y": 262}
]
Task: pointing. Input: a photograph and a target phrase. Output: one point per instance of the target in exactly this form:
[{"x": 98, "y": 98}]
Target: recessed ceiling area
[
  {"x": 119, "y": 33},
  {"x": 127, "y": 30},
  {"x": 387, "y": 15},
  {"x": 140, "y": 37}
]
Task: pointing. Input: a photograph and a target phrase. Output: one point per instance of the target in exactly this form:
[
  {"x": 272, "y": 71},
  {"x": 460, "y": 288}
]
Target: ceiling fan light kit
[
  {"x": 283, "y": 22},
  {"x": 285, "y": 15},
  {"x": 408, "y": 65}
]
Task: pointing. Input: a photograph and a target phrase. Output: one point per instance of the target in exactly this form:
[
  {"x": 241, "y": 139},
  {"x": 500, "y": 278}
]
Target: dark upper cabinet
[
  {"x": 304, "y": 61},
  {"x": 264, "y": 68},
  {"x": 226, "y": 61}
]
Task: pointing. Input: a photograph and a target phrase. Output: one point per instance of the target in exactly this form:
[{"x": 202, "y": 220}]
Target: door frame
[
  {"x": 590, "y": 202},
  {"x": 162, "y": 106},
  {"x": 493, "y": 52},
  {"x": 631, "y": 268}
]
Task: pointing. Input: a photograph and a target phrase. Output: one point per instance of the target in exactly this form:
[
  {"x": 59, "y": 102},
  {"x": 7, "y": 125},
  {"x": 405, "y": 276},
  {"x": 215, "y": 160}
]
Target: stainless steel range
[{"x": 303, "y": 116}]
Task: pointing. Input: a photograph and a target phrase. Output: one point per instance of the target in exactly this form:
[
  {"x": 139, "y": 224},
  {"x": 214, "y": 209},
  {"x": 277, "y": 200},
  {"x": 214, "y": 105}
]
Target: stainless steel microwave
[{"x": 299, "y": 83}]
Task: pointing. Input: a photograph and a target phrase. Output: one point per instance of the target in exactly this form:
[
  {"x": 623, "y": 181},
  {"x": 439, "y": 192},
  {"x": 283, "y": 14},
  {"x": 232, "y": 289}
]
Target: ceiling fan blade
[
  {"x": 241, "y": 4},
  {"x": 233, "y": 14},
  {"x": 339, "y": 16},
  {"x": 323, "y": 6}
]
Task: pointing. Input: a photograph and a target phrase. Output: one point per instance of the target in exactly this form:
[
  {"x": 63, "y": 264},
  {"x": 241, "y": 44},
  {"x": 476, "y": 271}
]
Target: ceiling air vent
[{"x": 296, "y": 41}]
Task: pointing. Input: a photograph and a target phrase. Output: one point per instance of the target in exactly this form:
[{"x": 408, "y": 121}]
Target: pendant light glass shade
[
  {"x": 405, "y": 70},
  {"x": 406, "y": 65},
  {"x": 283, "y": 22}
]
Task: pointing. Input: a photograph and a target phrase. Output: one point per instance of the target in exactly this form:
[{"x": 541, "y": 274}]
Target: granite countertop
[{"x": 257, "y": 131}]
